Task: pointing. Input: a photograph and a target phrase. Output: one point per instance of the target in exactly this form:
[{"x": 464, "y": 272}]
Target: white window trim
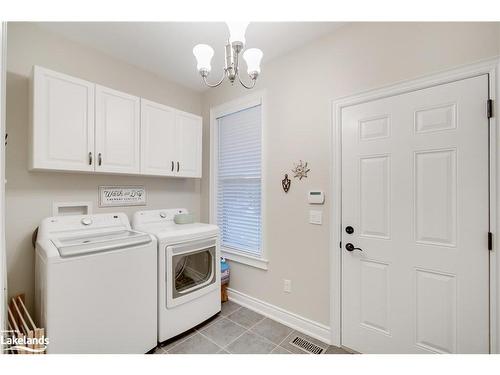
[{"x": 248, "y": 101}]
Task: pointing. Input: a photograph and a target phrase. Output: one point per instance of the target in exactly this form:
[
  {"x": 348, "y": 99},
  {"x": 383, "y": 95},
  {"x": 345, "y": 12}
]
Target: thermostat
[{"x": 316, "y": 197}]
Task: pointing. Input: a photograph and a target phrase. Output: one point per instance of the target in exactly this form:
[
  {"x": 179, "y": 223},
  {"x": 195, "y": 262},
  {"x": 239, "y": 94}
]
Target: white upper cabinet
[
  {"x": 189, "y": 146},
  {"x": 117, "y": 138},
  {"x": 158, "y": 141},
  {"x": 83, "y": 127},
  {"x": 62, "y": 120},
  {"x": 170, "y": 141}
]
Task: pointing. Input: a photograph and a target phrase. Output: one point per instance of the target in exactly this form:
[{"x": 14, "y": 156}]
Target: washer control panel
[{"x": 78, "y": 222}]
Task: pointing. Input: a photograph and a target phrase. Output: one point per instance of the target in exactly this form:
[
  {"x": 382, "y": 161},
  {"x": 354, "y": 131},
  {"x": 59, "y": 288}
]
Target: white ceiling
[{"x": 165, "y": 48}]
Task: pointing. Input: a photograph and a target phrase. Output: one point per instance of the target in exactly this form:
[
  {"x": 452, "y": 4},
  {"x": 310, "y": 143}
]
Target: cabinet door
[
  {"x": 158, "y": 141},
  {"x": 62, "y": 121},
  {"x": 117, "y": 131},
  {"x": 189, "y": 133}
]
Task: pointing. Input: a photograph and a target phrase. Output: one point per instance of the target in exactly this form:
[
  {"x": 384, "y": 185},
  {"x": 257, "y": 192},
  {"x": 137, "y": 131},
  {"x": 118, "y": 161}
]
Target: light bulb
[
  {"x": 203, "y": 54},
  {"x": 237, "y": 31},
  {"x": 252, "y": 57}
]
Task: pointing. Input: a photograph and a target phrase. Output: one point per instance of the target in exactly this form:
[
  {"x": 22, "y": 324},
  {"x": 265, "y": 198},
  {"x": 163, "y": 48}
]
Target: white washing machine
[
  {"x": 96, "y": 284},
  {"x": 188, "y": 270}
]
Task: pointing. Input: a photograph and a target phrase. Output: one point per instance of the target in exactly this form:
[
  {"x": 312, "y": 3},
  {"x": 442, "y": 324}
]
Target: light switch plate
[{"x": 315, "y": 217}]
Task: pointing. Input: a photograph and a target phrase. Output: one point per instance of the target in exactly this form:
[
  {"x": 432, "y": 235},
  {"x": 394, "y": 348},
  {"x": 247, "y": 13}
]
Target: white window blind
[{"x": 239, "y": 180}]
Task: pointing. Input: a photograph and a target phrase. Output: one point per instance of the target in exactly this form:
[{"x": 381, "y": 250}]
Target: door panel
[
  {"x": 415, "y": 190},
  {"x": 158, "y": 139},
  {"x": 63, "y": 122},
  {"x": 117, "y": 131},
  {"x": 435, "y": 197},
  {"x": 436, "y": 324},
  {"x": 189, "y": 132},
  {"x": 374, "y": 307},
  {"x": 375, "y": 211}
]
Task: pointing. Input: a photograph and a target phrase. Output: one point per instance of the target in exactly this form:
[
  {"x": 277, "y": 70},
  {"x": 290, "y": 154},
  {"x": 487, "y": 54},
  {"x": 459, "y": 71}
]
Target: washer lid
[{"x": 76, "y": 245}]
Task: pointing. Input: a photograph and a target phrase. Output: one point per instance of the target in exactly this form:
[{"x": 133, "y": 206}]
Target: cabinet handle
[
  {"x": 177, "y": 166},
  {"x": 90, "y": 158},
  {"x": 172, "y": 166},
  {"x": 100, "y": 159}
]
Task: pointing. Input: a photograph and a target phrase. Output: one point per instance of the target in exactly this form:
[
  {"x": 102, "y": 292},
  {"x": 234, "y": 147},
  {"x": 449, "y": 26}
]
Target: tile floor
[{"x": 238, "y": 330}]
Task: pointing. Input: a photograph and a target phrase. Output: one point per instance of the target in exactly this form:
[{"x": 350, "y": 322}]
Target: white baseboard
[{"x": 309, "y": 327}]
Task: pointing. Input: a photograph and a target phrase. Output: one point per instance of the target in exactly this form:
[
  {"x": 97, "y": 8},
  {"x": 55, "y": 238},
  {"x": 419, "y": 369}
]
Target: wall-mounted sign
[{"x": 115, "y": 196}]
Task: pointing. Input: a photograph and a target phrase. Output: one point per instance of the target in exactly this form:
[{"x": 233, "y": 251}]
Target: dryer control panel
[{"x": 156, "y": 216}]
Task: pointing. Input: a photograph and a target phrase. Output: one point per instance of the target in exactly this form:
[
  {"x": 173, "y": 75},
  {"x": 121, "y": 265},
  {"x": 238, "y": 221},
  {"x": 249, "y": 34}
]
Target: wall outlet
[{"x": 287, "y": 286}]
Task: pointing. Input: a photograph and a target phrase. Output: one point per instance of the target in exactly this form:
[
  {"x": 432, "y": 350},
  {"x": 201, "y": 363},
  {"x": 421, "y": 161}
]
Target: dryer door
[{"x": 190, "y": 270}]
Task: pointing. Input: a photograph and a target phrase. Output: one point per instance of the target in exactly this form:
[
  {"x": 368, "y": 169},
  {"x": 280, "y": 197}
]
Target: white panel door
[
  {"x": 415, "y": 192},
  {"x": 158, "y": 139},
  {"x": 62, "y": 122},
  {"x": 189, "y": 136},
  {"x": 117, "y": 131}
]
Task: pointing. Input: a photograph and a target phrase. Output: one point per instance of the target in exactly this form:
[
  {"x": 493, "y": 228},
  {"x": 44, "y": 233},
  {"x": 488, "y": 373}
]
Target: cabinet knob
[
  {"x": 90, "y": 158},
  {"x": 178, "y": 166},
  {"x": 100, "y": 159},
  {"x": 172, "y": 166}
]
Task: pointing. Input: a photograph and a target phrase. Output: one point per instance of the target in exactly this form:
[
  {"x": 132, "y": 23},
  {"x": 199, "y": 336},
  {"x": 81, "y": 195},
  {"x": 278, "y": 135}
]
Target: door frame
[
  {"x": 3, "y": 96},
  {"x": 489, "y": 66}
]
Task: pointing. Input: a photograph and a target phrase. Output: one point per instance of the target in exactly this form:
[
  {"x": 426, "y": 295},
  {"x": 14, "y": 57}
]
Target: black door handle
[{"x": 350, "y": 247}]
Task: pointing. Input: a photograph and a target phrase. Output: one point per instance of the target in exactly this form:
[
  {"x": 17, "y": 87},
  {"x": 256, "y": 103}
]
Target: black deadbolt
[{"x": 349, "y": 229}]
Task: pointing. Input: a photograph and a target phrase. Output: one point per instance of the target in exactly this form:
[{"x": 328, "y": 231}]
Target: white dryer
[
  {"x": 188, "y": 270},
  {"x": 95, "y": 286}
]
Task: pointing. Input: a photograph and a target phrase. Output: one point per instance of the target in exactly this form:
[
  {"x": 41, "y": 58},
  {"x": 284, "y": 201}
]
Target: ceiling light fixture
[{"x": 234, "y": 46}]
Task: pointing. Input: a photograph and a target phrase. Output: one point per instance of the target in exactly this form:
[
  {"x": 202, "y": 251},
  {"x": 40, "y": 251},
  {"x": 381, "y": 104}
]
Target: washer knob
[
  {"x": 86, "y": 221},
  {"x": 163, "y": 215}
]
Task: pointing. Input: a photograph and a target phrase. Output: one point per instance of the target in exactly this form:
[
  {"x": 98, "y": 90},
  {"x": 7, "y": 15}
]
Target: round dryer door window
[{"x": 192, "y": 271}]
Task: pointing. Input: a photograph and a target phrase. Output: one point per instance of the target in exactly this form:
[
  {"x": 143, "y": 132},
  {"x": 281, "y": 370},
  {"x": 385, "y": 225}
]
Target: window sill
[{"x": 248, "y": 260}]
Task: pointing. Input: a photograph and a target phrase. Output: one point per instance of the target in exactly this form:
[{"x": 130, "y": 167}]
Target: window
[{"x": 237, "y": 198}]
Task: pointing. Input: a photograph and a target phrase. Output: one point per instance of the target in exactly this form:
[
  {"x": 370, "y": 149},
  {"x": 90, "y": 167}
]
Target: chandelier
[{"x": 234, "y": 46}]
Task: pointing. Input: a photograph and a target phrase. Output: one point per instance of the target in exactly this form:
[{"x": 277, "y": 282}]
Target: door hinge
[
  {"x": 489, "y": 108},
  {"x": 490, "y": 241}
]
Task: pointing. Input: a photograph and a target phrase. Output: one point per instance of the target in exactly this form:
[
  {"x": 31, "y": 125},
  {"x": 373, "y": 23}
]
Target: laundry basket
[{"x": 224, "y": 279}]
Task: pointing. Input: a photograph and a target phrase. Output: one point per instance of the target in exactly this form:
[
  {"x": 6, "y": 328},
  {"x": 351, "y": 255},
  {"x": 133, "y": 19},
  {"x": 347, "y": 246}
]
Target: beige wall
[
  {"x": 29, "y": 195},
  {"x": 299, "y": 89}
]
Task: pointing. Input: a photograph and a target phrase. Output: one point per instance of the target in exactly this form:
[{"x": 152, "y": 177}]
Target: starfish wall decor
[{"x": 300, "y": 170}]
